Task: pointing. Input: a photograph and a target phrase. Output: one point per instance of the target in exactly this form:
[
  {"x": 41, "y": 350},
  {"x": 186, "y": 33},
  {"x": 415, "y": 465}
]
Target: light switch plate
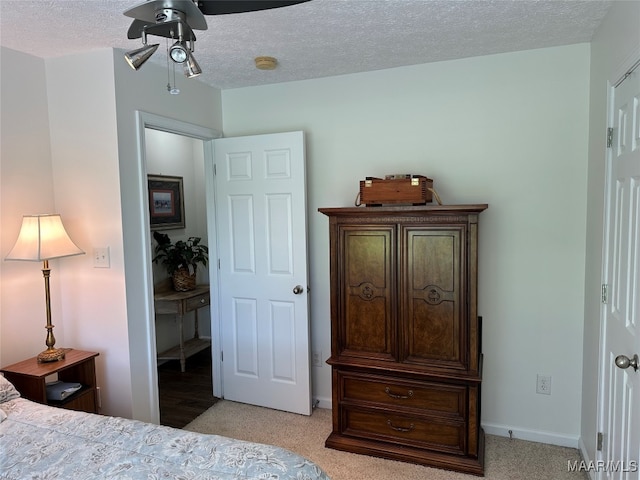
[{"x": 101, "y": 257}]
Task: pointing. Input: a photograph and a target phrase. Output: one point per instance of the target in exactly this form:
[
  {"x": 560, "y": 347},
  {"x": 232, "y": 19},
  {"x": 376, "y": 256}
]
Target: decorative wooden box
[{"x": 412, "y": 190}]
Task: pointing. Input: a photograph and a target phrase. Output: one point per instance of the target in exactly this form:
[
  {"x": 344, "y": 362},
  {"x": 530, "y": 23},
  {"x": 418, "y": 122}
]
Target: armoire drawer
[
  {"x": 435, "y": 433},
  {"x": 428, "y": 397}
]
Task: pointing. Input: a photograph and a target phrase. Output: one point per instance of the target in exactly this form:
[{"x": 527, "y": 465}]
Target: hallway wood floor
[{"x": 185, "y": 395}]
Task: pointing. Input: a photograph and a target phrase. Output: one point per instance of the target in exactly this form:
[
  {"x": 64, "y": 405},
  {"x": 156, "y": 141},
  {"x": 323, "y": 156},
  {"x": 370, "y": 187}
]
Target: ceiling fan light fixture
[
  {"x": 191, "y": 67},
  {"x": 136, "y": 58},
  {"x": 179, "y": 52},
  {"x": 176, "y": 20}
]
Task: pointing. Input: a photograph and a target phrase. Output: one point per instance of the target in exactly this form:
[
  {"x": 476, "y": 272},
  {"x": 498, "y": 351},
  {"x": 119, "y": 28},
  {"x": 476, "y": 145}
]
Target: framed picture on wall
[{"x": 166, "y": 202}]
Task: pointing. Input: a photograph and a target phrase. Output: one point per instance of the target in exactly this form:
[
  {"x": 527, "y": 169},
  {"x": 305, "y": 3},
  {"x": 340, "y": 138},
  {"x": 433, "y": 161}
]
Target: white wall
[
  {"x": 87, "y": 192},
  {"x": 26, "y": 187},
  {"x": 91, "y": 176},
  {"x": 614, "y": 49},
  {"x": 509, "y": 130}
]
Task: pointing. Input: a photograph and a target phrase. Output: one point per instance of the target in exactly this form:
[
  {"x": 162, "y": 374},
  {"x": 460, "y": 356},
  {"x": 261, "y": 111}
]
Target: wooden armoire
[{"x": 405, "y": 334}]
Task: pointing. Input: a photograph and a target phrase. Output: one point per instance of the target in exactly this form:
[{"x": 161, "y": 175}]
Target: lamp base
[{"x": 51, "y": 355}]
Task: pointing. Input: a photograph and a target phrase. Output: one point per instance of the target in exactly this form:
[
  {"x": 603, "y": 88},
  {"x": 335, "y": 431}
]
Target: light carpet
[{"x": 505, "y": 459}]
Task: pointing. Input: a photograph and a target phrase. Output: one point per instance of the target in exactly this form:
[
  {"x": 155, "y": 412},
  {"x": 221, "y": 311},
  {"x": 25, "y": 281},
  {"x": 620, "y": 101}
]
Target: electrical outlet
[
  {"x": 543, "y": 384},
  {"x": 316, "y": 359}
]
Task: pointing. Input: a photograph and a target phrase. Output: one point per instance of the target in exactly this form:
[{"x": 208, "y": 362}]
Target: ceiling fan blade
[{"x": 222, "y": 7}]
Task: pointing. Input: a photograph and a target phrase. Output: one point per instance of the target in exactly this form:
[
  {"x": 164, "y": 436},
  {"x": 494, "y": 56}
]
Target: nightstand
[{"x": 29, "y": 377}]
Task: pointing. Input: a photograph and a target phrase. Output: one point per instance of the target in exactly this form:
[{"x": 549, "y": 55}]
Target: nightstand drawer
[
  {"x": 436, "y": 433},
  {"x": 426, "y": 397}
]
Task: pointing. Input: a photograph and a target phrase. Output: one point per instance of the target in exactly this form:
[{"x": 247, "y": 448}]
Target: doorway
[
  {"x": 201, "y": 181},
  {"x": 184, "y": 385},
  {"x": 283, "y": 156}
]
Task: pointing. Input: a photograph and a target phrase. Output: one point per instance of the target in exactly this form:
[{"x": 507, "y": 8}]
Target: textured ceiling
[{"x": 315, "y": 39}]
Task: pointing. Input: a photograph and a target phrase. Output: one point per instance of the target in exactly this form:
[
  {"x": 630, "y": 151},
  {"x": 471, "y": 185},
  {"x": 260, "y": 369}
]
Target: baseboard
[
  {"x": 531, "y": 435},
  {"x": 322, "y": 402},
  {"x": 586, "y": 458}
]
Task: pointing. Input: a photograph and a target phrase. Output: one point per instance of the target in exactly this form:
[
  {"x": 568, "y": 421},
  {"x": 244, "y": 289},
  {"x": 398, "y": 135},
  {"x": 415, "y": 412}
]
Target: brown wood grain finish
[
  {"x": 425, "y": 397},
  {"x": 30, "y": 377},
  {"x": 84, "y": 401},
  {"x": 368, "y": 301},
  {"x": 435, "y": 296},
  {"x": 185, "y": 395},
  {"x": 172, "y": 302},
  {"x": 434, "y": 433},
  {"x": 406, "y": 360}
]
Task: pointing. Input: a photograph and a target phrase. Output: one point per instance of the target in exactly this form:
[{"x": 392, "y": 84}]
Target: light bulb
[{"x": 178, "y": 53}]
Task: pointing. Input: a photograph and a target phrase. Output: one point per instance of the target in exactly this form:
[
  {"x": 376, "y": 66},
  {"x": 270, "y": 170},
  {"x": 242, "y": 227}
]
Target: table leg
[
  {"x": 196, "y": 334},
  {"x": 183, "y": 360}
]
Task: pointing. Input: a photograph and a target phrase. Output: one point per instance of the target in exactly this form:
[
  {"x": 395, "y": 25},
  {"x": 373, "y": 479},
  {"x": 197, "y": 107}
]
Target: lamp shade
[
  {"x": 42, "y": 237},
  {"x": 191, "y": 67},
  {"x": 137, "y": 57}
]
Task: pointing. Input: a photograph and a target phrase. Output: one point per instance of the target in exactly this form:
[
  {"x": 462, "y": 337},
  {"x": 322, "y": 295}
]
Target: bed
[{"x": 42, "y": 442}]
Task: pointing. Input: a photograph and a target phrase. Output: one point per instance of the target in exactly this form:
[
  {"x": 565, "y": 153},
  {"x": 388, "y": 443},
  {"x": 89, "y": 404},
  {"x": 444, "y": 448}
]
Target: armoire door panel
[
  {"x": 366, "y": 328},
  {"x": 367, "y": 293},
  {"x": 434, "y": 258},
  {"x": 435, "y": 307},
  {"x": 434, "y": 332}
]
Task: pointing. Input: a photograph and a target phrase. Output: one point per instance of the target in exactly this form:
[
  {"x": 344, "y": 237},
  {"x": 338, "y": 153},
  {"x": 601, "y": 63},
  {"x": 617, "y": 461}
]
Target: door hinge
[
  {"x": 609, "y": 137},
  {"x": 599, "y": 442},
  {"x": 221, "y": 356},
  {"x": 218, "y": 264},
  {"x": 215, "y": 171},
  {"x": 605, "y": 293}
]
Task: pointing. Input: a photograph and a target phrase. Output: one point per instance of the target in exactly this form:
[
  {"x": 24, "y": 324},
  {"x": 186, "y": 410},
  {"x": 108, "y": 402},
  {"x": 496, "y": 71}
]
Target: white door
[
  {"x": 262, "y": 243},
  {"x": 620, "y": 415}
]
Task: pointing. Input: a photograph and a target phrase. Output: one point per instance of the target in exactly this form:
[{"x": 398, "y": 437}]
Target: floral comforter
[{"x": 42, "y": 442}]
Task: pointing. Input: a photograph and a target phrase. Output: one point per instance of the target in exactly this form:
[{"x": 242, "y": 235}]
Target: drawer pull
[
  {"x": 401, "y": 429},
  {"x": 409, "y": 394},
  {"x": 202, "y": 300}
]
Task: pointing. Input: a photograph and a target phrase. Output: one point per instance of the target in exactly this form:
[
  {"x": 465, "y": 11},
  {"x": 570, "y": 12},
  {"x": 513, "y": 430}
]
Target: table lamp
[{"x": 42, "y": 238}]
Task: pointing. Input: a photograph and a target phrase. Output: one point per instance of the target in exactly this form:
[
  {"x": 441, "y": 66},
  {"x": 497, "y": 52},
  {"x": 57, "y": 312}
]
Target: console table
[{"x": 171, "y": 302}]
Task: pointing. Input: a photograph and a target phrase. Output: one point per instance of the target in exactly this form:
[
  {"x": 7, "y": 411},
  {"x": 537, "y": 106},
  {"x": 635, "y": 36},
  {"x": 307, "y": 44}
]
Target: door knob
[
  {"x": 622, "y": 361},
  {"x": 298, "y": 289}
]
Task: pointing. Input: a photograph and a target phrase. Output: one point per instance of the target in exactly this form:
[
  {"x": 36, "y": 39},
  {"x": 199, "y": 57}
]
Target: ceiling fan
[{"x": 176, "y": 20}]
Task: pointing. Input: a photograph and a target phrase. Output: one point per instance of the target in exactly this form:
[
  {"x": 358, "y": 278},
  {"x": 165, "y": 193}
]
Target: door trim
[
  {"x": 148, "y": 354},
  {"x": 212, "y": 234},
  {"x": 617, "y": 76}
]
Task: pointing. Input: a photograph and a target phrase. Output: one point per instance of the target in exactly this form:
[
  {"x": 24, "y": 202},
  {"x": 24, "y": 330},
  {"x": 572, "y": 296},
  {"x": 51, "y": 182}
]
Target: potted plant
[{"x": 181, "y": 259}]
